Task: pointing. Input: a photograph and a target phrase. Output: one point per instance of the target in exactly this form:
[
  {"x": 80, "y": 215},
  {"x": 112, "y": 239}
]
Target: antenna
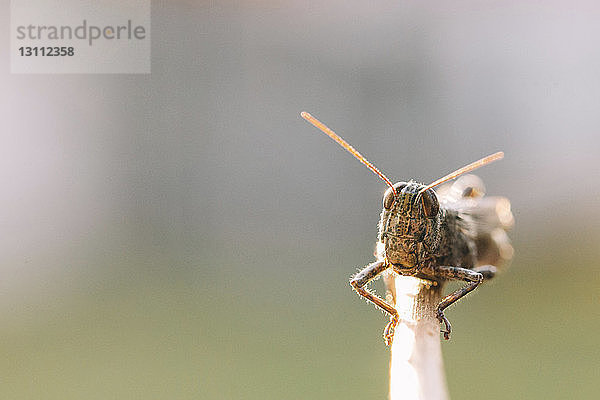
[
  {"x": 467, "y": 168},
  {"x": 318, "y": 124}
]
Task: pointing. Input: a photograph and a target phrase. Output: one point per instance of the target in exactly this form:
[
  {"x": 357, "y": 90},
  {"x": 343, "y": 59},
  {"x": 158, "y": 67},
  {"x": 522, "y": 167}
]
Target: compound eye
[
  {"x": 431, "y": 207},
  {"x": 388, "y": 197}
]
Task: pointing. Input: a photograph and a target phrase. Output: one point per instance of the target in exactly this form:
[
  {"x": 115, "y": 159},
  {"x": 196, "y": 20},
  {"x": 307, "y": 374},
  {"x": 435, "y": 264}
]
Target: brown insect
[{"x": 455, "y": 234}]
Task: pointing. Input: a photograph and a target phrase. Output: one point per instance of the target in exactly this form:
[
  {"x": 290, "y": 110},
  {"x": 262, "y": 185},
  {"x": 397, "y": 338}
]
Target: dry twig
[{"x": 416, "y": 366}]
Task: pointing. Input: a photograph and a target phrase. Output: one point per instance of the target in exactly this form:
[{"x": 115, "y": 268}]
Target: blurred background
[{"x": 185, "y": 234}]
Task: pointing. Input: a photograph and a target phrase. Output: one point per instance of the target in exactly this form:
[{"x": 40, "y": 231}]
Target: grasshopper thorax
[{"x": 410, "y": 222}]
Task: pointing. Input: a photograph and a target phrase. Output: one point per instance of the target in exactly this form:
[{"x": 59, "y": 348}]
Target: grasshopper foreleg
[
  {"x": 472, "y": 277},
  {"x": 360, "y": 280}
]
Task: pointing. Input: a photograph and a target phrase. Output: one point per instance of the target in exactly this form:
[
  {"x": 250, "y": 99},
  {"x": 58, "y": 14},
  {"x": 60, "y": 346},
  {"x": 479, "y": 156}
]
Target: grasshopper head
[
  {"x": 409, "y": 229},
  {"x": 409, "y": 225}
]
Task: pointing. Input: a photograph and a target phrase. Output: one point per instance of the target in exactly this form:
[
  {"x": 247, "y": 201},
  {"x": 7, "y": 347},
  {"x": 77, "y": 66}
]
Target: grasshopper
[{"x": 456, "y": 234}]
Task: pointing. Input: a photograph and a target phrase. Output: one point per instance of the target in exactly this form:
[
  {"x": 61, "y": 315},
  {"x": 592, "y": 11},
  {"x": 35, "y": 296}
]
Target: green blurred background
[{"x": 185, "y": 234}]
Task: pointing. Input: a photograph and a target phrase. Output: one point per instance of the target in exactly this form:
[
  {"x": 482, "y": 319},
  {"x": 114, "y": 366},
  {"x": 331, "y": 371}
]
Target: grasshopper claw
[
  {"x": 448, "y": 328},
  {"x": 388, "y": 333}
]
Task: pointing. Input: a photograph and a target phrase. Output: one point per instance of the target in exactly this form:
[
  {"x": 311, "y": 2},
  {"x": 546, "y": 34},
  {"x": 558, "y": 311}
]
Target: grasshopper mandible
[{"x": 456, "y": 234}]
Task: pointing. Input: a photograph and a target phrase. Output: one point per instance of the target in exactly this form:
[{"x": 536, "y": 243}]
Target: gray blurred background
[{"x": 186, "y": 235}]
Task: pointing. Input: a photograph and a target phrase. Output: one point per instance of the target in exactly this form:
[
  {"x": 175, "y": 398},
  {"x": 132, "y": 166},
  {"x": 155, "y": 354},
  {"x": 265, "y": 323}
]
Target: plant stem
[{"x": 416, "y": 366}]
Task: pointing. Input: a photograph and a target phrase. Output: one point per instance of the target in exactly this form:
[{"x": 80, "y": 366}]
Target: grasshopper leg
[
  {"x": 488, "y": 271},
  {"x": 358, "y": 283},
  {"x": 473, "y": 279}
]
